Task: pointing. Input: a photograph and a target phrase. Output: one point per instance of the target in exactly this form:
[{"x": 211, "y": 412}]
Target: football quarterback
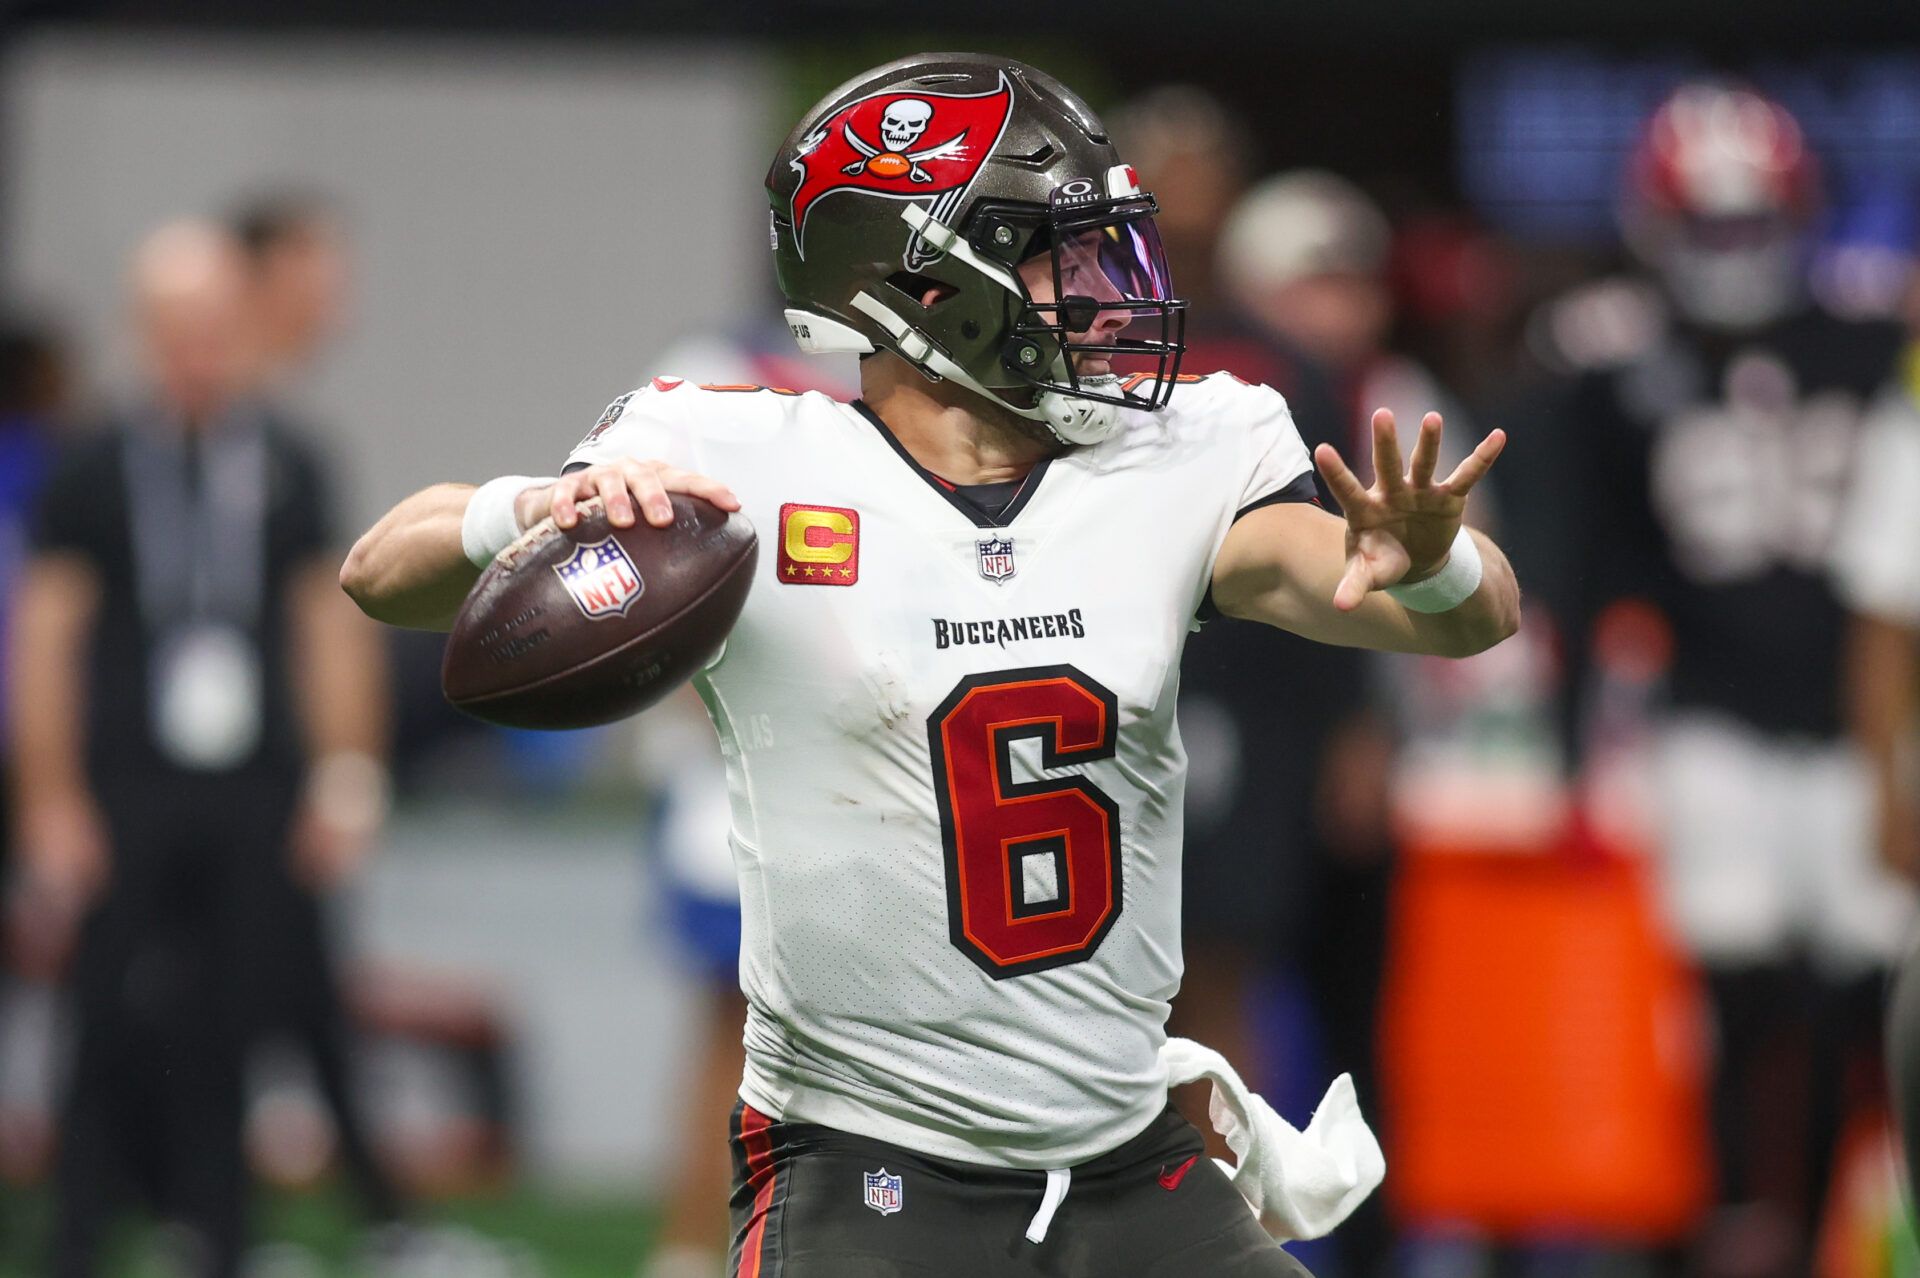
[{"x": 947, "y": 710}]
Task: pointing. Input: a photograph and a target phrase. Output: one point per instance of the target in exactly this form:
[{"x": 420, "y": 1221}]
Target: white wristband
[
  {"x": 490, "y": 525},
  {"x": 1447, "y": 589}
]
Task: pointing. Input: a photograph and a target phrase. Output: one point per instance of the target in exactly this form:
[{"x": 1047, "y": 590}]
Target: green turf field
[{"x": 521, "y": 1234}]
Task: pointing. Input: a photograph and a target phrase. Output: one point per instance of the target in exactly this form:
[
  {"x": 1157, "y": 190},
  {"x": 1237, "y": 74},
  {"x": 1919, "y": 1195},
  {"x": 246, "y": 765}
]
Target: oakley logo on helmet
[{"x": 901, "y": 146}]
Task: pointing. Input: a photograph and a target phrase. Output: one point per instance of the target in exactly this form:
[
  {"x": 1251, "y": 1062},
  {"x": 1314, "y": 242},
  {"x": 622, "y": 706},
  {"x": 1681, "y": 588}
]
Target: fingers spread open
[
  {"x": 1472, "y": 470},
  {"x": 1388, "y": 469},
  {"x": 1426, "y": 451},
  {"x": 1341, "y": 482}
]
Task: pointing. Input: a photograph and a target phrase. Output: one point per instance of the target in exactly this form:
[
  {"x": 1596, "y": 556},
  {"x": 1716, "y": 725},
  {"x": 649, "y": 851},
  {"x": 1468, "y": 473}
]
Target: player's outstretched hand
[
  {"x": 631, "y": 488},
  {"x": 1402, "y": 528}
]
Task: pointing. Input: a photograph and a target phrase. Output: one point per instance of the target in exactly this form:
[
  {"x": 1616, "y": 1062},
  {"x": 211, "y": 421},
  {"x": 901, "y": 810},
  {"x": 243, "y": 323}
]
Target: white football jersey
[{"x": 954, "y": 774}]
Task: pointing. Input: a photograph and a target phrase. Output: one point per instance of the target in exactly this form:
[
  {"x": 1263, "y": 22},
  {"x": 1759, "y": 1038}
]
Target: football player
[
  {"x": 1713, "y": 420},
  {"x": 948, "y": 708}
]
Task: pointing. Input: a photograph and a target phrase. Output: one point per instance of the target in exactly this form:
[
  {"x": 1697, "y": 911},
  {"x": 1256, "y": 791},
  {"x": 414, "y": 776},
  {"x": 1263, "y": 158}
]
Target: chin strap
[{"x": 1071, "y": 420}]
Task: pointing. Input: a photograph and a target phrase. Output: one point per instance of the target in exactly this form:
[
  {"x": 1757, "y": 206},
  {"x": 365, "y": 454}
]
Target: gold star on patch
[
  {"x": 809, "y": 572},
  {"x": 846, "y": 572},
  {"x": 792, "y": 571}
]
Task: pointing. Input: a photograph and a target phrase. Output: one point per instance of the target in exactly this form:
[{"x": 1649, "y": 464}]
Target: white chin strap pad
[{"x": 1079, "y": 421}]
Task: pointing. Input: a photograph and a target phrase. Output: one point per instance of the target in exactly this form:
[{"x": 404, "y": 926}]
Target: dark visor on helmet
[{"x": 1113, "y": 302}]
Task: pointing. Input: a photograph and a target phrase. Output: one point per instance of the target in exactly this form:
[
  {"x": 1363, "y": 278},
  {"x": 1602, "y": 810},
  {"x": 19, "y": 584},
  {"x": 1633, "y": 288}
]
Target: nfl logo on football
[
  {"x": 601, "y": 579},
  {"x": 883, "y": 1192},
  {"x": 996, "y": 558}
]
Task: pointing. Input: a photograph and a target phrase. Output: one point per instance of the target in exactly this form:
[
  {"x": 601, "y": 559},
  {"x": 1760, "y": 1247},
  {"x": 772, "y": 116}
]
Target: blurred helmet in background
[
  {"x": 1305, "y": 255},
  {"x": 904, "y": 204},
  {"x": 1721, "y": 191}
]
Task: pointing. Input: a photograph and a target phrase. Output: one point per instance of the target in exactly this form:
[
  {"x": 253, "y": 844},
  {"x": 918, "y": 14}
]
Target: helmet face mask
[
  {"x": 1731, "y": 273},
  {"x": 1109, "y": 278},
  {"x": 930, "y": 249}
]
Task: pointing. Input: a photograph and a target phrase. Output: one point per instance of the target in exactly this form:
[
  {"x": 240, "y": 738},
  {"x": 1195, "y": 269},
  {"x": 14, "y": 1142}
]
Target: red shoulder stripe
[{"x": 727, "y": 386}]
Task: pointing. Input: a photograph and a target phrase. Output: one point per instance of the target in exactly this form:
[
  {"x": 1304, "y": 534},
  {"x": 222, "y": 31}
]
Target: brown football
[{"x": 572, "y": 629}]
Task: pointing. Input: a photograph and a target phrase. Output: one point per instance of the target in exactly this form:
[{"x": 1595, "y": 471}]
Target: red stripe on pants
[{"x": 763, "y": 1177}]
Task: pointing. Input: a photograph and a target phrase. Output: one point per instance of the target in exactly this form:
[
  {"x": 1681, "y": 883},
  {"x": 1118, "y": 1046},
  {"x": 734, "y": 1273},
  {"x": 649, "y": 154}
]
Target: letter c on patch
[{"x": 819, "y": 537}]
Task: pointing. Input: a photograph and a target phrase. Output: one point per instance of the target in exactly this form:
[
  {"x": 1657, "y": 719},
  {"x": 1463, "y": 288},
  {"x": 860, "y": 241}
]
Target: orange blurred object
[{"x": 1543, "y": 1049}]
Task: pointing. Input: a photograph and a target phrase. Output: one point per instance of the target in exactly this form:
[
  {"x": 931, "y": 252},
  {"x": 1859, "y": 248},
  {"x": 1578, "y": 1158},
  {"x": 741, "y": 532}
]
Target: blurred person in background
[
  {"x": 1201, "y": 152},
  {"x": 34, "y": 394},
  {"x": 191, "y": 700},
  {"x": 297, "y": 255},
  {"x": 1715, "y": 412},
  {"x": 1200, "y": 156},
  {"x": 1305, "y": 257},
  {"x": 688, "y": 818},
  {"x": 296, "y": 244},
  {"x": 1267, "y": 884}
]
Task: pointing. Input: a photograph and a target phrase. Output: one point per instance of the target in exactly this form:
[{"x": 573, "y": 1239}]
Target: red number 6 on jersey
[{"x": 1033, "y": 869}]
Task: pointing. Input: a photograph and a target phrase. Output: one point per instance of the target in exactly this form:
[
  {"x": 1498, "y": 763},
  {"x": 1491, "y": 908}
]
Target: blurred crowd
[{"x": 1599, "y": 921}]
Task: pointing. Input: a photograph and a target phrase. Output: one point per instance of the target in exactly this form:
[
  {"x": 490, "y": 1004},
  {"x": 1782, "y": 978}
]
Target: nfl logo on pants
[{"x": 883, "y": 1192}]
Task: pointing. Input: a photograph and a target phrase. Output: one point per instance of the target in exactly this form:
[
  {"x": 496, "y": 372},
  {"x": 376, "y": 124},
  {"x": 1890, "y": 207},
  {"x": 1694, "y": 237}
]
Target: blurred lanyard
[
  {"x": 198, "y": 522},
  {"x": 198, "y": 519}
]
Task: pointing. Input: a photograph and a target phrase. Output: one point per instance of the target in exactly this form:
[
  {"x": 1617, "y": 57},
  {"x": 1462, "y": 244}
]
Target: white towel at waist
[{"x": 1300, "y": 1184}]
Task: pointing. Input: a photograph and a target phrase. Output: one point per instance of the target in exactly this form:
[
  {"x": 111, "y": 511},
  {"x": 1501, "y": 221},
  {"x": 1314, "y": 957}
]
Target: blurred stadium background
[{"x": 541, "y": 201}]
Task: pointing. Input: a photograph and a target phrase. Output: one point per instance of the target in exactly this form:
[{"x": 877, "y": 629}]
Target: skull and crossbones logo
[{"x": 901, "y": 126}]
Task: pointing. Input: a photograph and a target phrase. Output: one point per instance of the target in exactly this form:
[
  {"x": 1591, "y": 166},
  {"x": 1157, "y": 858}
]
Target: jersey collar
[{"x": 981, "y": 519}]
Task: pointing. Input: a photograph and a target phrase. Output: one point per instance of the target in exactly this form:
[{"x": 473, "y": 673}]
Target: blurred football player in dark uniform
[{"x": 1719, "y": 411}]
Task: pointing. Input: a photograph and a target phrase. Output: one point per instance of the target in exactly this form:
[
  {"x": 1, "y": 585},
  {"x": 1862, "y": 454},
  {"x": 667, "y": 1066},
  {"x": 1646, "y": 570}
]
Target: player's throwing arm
[{"x": 415, "y": 566}]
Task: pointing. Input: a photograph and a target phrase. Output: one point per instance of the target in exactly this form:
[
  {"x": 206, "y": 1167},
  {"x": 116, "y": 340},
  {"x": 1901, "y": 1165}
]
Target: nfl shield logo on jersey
[
  {"x": 883, "y": 1192},
  {"x": 601, "y": 579},
  {"x": 996, "y": 558}
]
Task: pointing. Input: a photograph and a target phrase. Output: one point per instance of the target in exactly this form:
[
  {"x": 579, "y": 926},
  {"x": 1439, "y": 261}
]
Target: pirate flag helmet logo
[{"x": 902, "y": 146}]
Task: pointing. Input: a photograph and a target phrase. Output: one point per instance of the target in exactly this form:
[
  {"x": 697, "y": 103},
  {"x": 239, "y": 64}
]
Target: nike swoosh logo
[{"x": 1170, "y": 1180}]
